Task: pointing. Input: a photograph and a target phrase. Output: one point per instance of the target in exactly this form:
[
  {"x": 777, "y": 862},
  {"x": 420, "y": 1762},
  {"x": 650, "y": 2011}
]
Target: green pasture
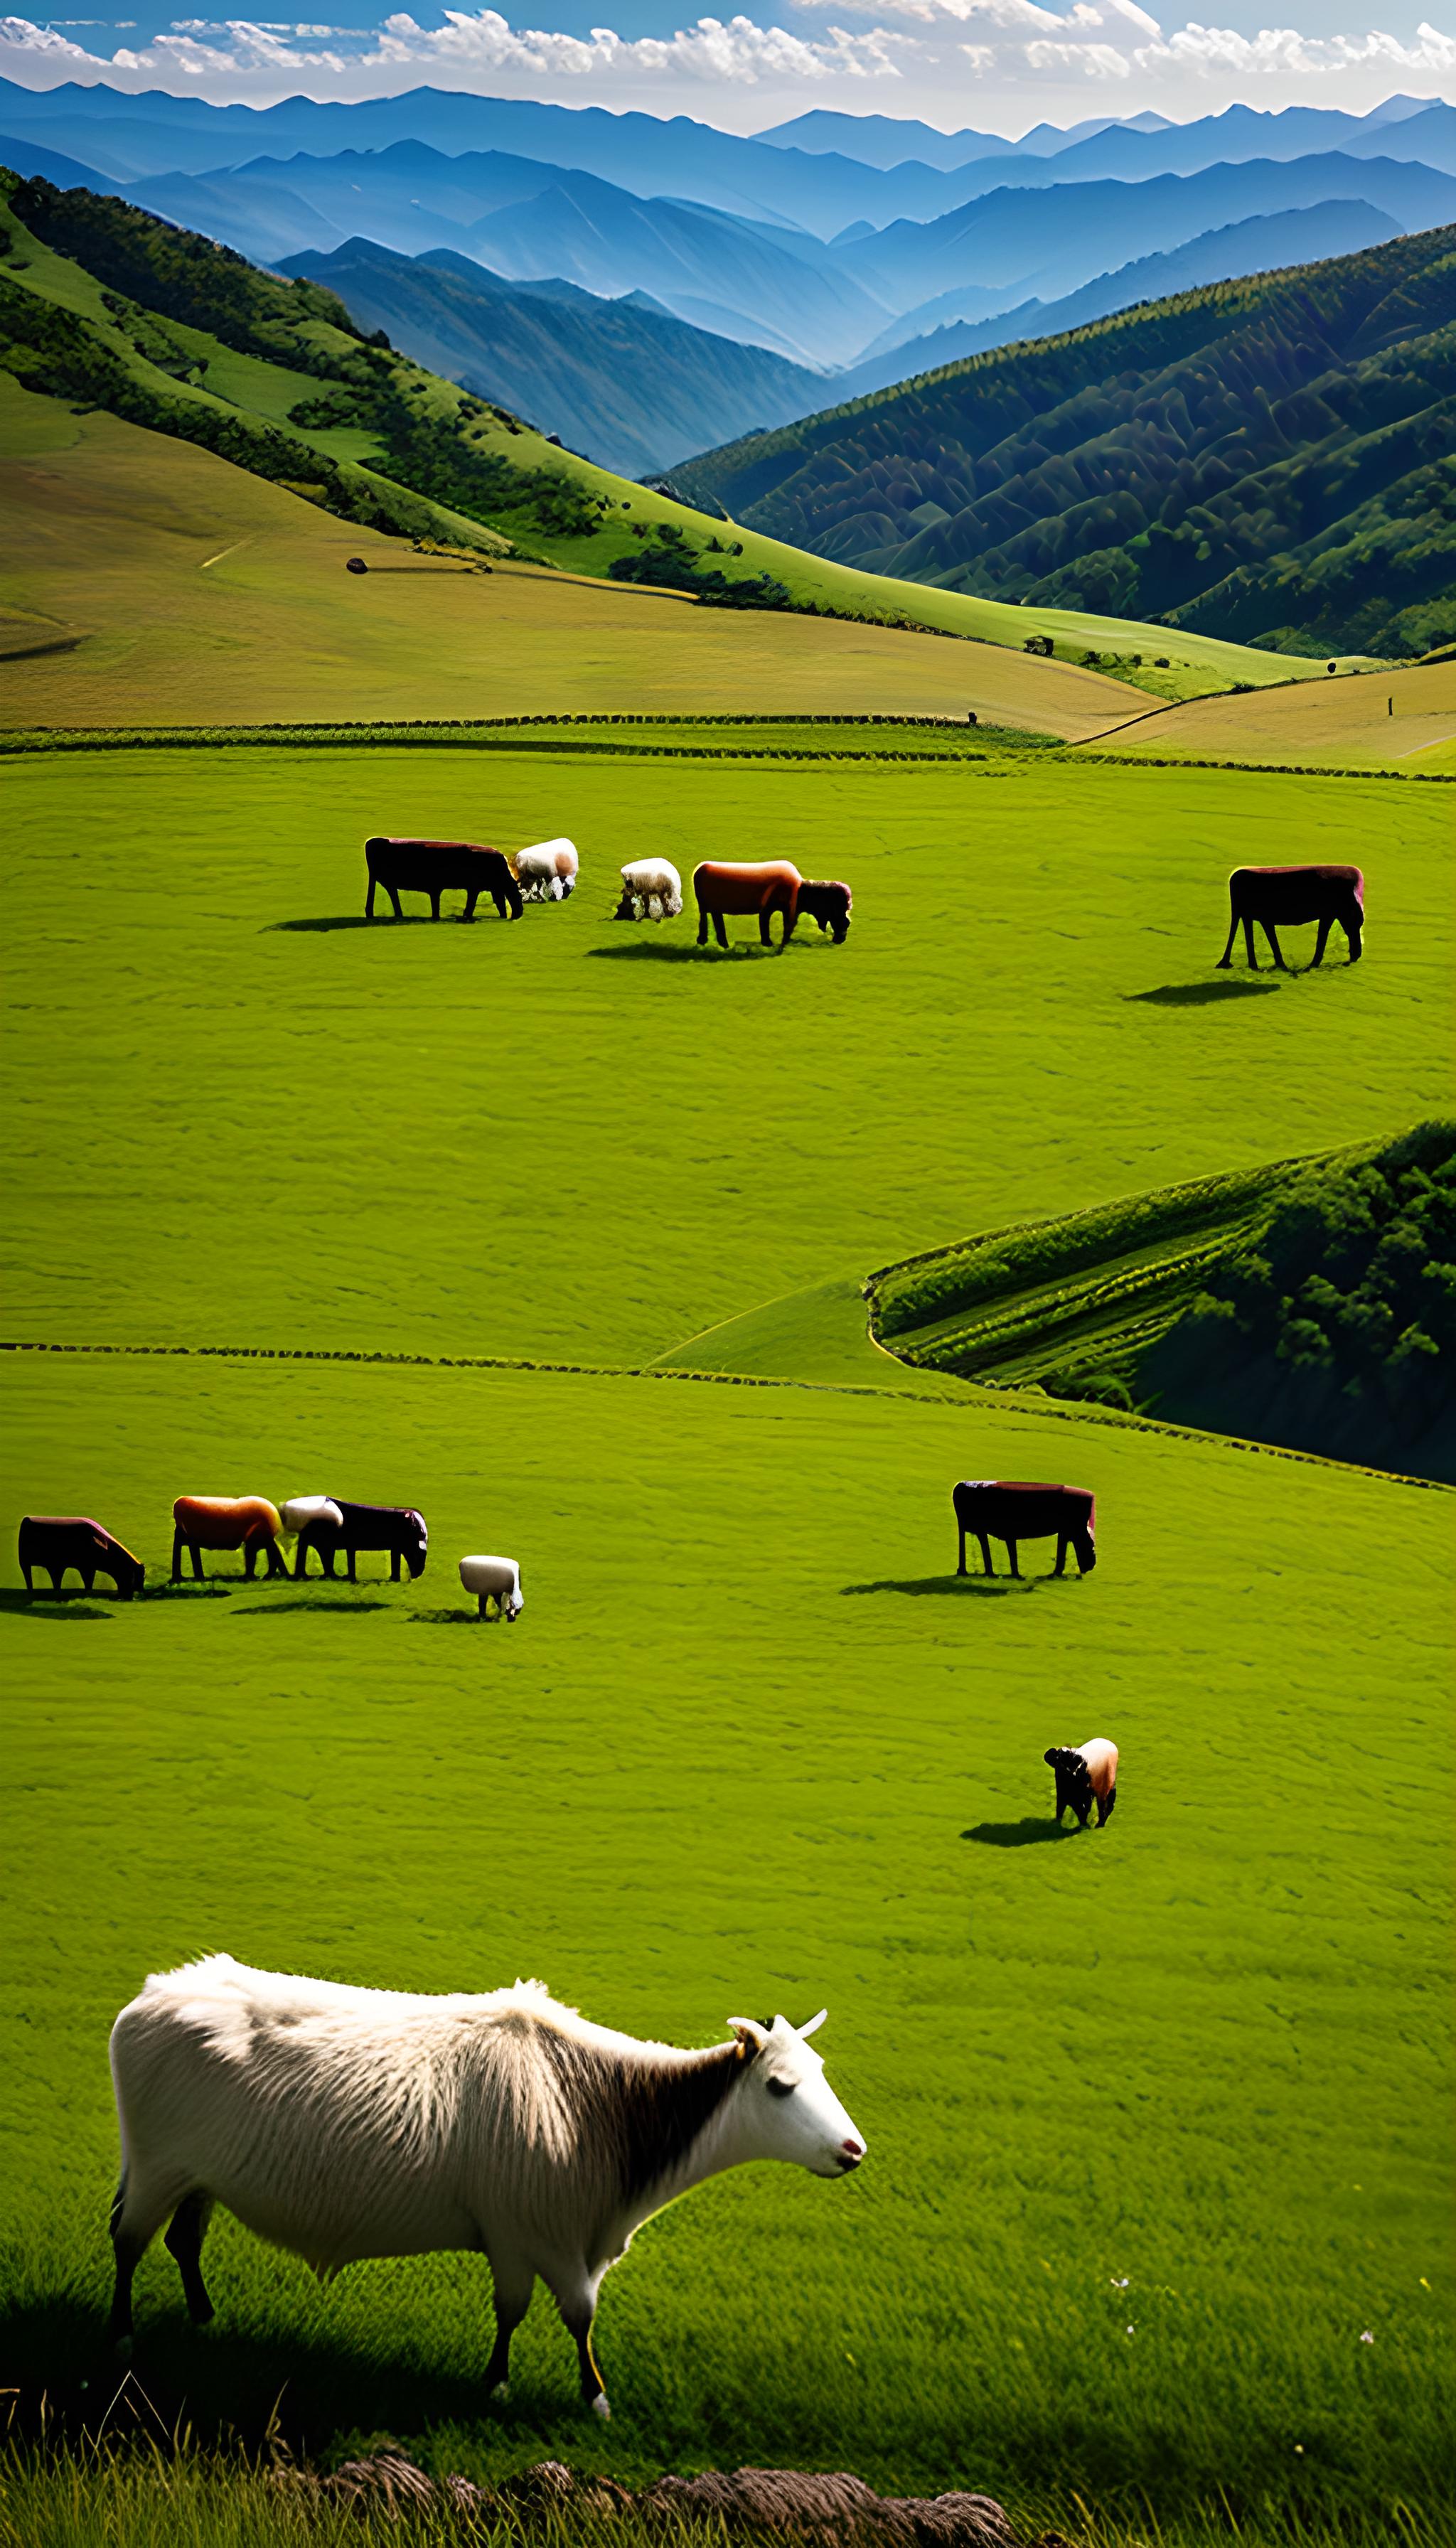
[
  {"x": 237, "y": 1116},
  {"x": 1156, "y": 2118},
  {"x": 1153, "y": 2117}
]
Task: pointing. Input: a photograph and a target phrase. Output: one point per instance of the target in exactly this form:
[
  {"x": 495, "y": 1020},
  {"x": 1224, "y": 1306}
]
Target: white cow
[
  {"x": 493, "y": 1578},
  {"x": 652, "y": 889},
  {"x": 344, "y": 2123},
  {"x": 300, "y": 1510},
  {"x": 546, "y": 872}
]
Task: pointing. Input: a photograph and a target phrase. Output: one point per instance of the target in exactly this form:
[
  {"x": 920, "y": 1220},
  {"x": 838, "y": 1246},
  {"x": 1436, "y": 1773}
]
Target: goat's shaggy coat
[
  {"x": 1010, "y": 1511},
  {"x": 345, "y": 2124},
  {"x": 1295, "y": 896}
]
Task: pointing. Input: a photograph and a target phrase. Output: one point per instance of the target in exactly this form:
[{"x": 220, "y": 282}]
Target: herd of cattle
[{"x": 1322, "y": 896}]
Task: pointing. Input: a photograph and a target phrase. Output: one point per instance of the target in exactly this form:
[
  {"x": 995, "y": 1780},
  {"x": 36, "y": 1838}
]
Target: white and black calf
[{"x": 1086, "y": 1774}]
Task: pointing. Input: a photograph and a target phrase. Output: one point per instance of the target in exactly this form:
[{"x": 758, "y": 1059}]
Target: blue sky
[{"x": 998, "y": 64}]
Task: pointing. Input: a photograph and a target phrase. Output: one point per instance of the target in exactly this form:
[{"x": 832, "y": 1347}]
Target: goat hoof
[{"x": 601, "y": 2408}]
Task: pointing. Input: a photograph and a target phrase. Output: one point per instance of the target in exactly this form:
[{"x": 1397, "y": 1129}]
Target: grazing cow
[
  {"x": 829, "y": 904},
  {"x": 343, "y": 2124},
  {"x": 53, "y": 1545},
  {"x": 397, "y": 1529},
  {"x": 1086, "y": 1774},
  {"x": 773, "y": 885},
  {"x": 1008, "y": 1509},
  {"x": 248, "y": 1522},
  {"x": 1295, "y": 896},
  {"x": 652, "y": 889},
  {"x": 547, "y": 871},
  {"x": 440, "y": 867},
  {"x": 493, "y": 1578}
]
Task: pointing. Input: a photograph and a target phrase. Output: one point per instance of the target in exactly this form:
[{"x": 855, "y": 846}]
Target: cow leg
[
  {"x": 471, "y": 899},
  {"x": 1267, "y": 927},
  {"x": 985, "y": 1540},
  {"x": 576, "y": 2303},
  {"x": 134, "y": 2225},
  {"x": 434, "y": 905},
  {"x": 1011, "y": 1547},
  {"x": 702, "y": 924},
  {"x": 1105, "y": 1805},
  {"x": 354, "y": 1578},
  {"x": 1321, "y": 943},
  {"x": 27, "y": 1569},
  {"x": 183, "y": 2242},
  {"x": 393, "y": 894},
  {"x": 960, "y": 1563},
  {"x": 177, "y": 1545},
  {"x": 88, "y": 1582},
  {"x": 369, "y": 899},
  {"x": 720, "y": 930},
  {"x": 57, "y": 1578},
  {"x": 765, "y": 917},
  {"x": 394, "y": 1566},
  {"x": 300, "y": 1564},
  {"x": 1249, "y": 943},
  {"x": 196, "y": 1548},
  {"x": 1061, "y": 1567},
  {"x": 249, "y": 1559},
  {"x": 277, "y": 1565},
  {"x": 513, "y": 2299},
  {"x": 1227, "y": 957}
]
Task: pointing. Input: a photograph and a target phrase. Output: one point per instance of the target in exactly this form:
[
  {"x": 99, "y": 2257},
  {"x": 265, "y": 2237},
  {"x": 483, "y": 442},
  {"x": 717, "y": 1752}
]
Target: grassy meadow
[{"x": 1156, "y": 2213}]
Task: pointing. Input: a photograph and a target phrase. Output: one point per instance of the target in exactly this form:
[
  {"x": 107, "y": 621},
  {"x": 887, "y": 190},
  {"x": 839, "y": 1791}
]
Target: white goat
[
  {"x": 546, "y": 872},
  {"x": 344, "y": 2123},
  {"x": 493, "y": 1578},
  {"x": 652, "y": 889}
]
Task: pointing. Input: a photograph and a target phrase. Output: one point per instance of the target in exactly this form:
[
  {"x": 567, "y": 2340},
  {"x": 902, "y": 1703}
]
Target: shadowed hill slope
[{"x": 1270, "y": 460}]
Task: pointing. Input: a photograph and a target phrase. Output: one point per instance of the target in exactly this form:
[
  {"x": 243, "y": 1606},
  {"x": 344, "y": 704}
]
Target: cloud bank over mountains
[{"x": 997, "y": 64}]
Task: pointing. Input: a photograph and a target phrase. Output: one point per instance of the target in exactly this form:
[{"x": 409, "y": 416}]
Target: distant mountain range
[
  {"x": 1271, "y": 460},
  {"x": 709, "y": 282},
  {"x": 621, "y": 381}
]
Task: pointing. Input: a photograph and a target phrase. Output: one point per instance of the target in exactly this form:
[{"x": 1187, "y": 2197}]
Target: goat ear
[
  {"x": 749, "y": 2033},
  {"x": 813, "y": 2024}
]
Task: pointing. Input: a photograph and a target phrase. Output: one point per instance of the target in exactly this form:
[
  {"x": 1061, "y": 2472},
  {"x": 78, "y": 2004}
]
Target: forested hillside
[{"x": 1271, "y": 460}]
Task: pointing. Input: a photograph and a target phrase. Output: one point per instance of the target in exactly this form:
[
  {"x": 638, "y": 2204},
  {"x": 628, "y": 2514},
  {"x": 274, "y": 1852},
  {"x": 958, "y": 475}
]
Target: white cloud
[{"x": 1001, "y": 61}]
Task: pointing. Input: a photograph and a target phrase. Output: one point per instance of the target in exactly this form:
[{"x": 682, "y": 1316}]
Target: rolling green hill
[
  {"x": 104, "y": 306},
  {"x": 1268, "y": 460},
  {"x": 1307, "y": 1303}
]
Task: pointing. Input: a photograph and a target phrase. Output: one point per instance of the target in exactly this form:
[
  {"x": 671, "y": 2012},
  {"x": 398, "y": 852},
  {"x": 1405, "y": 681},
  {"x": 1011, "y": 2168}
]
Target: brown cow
[
  {"x": 54, "y": 1543},
  {"x": 248, "y": 1522},
  {"x": 772, "y": 884},
  {"x": 440, "y": 867},
  {"x": 1009, "y": 1509},
  {"x": 1295, "y": 896}
]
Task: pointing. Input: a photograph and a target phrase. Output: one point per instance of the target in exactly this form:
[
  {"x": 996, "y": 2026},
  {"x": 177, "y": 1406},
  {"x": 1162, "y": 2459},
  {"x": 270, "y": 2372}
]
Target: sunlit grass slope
[
  {"x": 1154, "y": 2117},
  {"x": 145, "y": 581},
  {"x": 236, "y": 1114},
  {"x": 276, "y": 376},
  {"x": 1400, "y": 717}
]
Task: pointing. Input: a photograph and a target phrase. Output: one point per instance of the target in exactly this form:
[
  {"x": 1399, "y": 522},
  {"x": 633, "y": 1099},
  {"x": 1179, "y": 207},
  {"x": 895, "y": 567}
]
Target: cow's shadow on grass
[
  {"x": 345, "y": 920},
  {"x": 227, "y": 2385},
  {"x": 974, "y": 1587},
  {"x": 57, "y": 1605},
  {"x": 1200, "y": 995},
  {"x": 676, "y": 951},
  {"x": 1023, "y": 1835},
  {"x": 451, "y": 1619},
  {"x": 285, "y": 1605}
]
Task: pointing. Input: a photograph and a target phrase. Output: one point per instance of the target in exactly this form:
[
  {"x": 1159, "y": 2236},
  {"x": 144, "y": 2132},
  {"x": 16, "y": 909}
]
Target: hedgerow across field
[{"x": 1152, "y": 2209}]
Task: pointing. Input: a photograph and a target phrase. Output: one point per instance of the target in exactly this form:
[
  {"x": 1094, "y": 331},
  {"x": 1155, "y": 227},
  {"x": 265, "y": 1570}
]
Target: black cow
[
  {"x": 396, "y": 1528},
  {"x": 440, "y": 867},
  {"x": 53, "y": 1545},
  {"x": 1295, "y": 896},
  {"x": 1008, "y": 1509}
]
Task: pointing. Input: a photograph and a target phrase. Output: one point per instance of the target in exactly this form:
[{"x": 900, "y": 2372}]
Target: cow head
[
  {"x": 830, "y": 905},
  {"x": 414, "y": 1542},
  {"x": 130, "y": 1574},
  {"x": 1353, "y": 921},
  {"x": 1074, "y": 1779},
  {"x": 1084, "y": 1548},
  {"x": 789, "y": 2110}
]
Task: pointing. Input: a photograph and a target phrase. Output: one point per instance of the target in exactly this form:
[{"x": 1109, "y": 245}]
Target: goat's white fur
[
  {"x": 654, "y": 886},
  {"x": 494, "y": 1579},
  {"x": 546, "y": 872},
  {"x": 343, "y": 2124}
]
